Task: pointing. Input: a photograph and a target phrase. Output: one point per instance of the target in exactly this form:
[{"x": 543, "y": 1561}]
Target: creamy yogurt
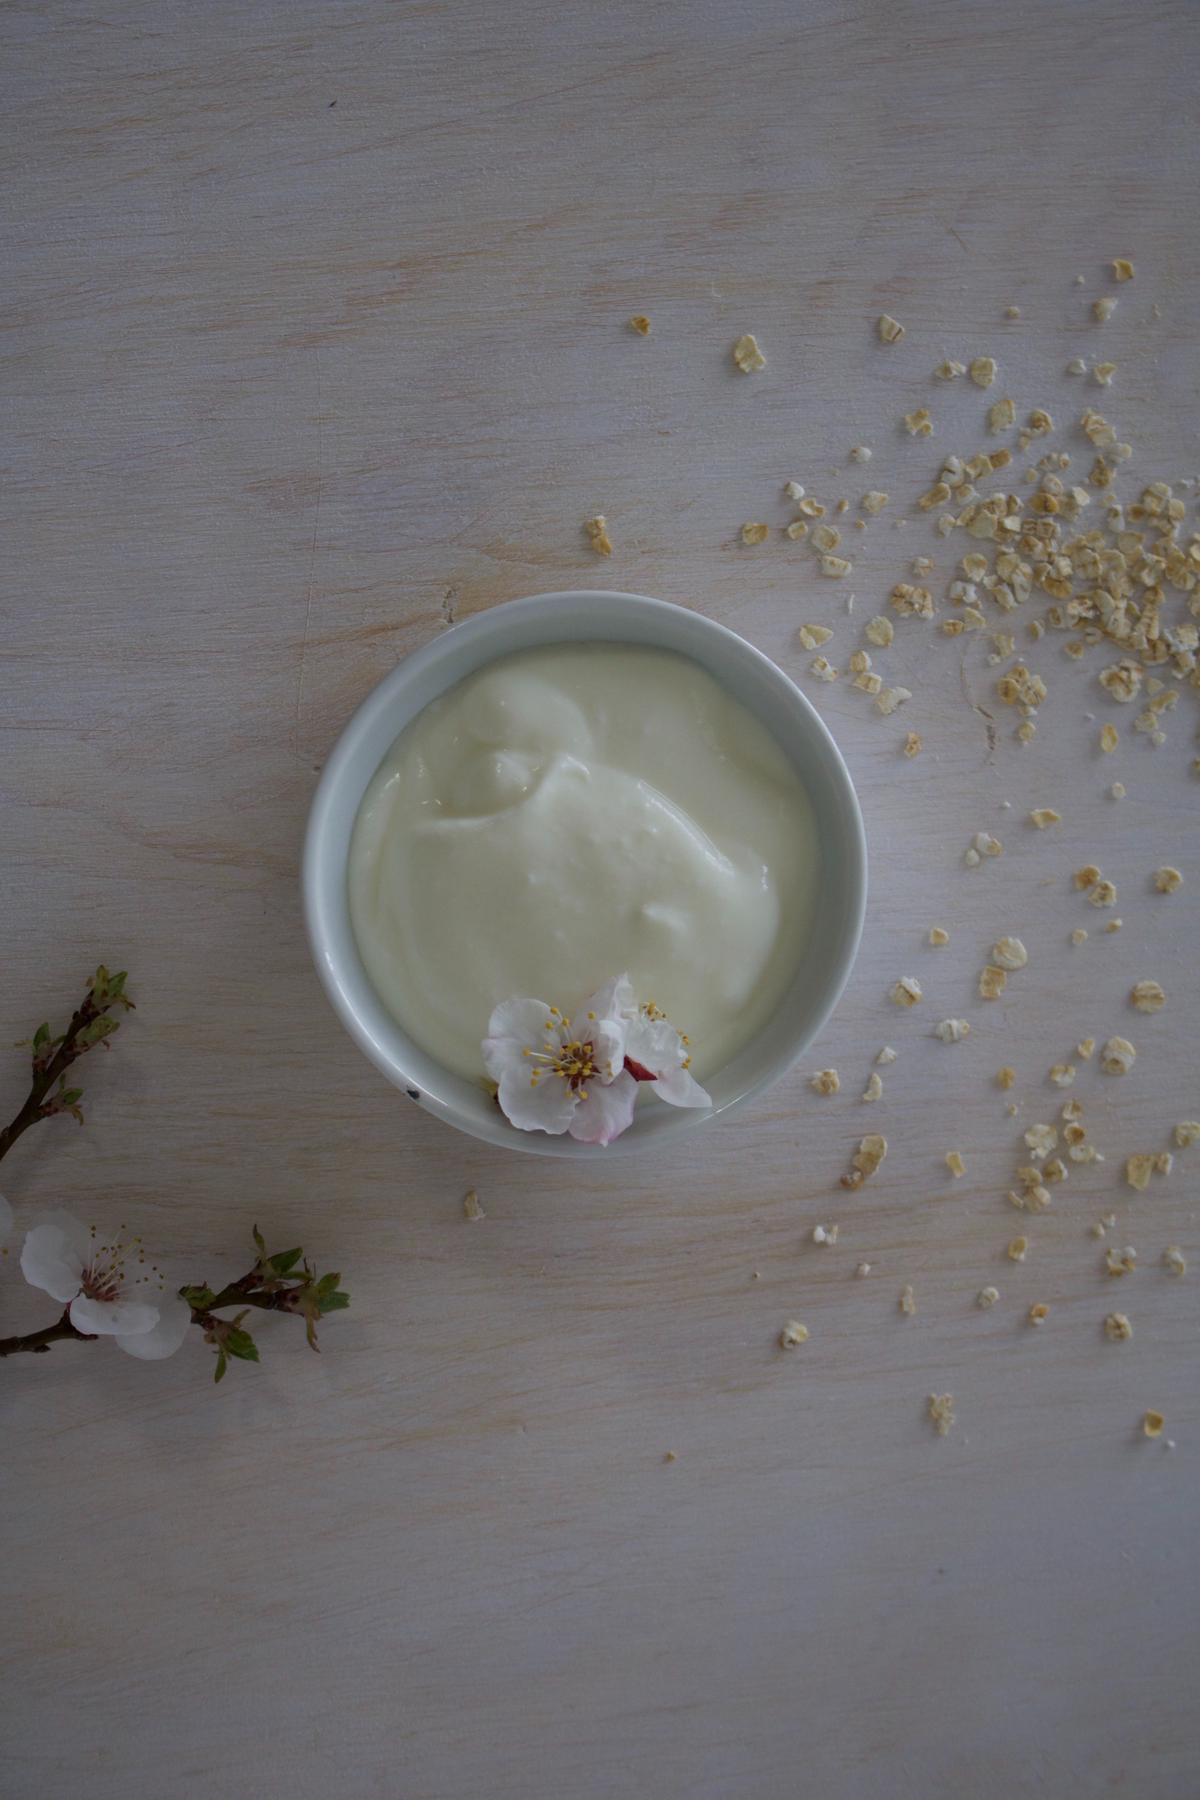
[{"x": 569, "y": 813}]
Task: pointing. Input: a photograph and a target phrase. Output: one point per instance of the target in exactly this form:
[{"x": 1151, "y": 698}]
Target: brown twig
[{"x": 34, "y": 1341}]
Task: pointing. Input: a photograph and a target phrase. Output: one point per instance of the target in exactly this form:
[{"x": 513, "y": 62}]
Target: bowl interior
[{"x": 590, "y": 616}]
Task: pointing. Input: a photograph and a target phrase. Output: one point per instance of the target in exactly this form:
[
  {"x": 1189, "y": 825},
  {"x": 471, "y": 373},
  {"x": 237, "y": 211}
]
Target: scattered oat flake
[
  {"x": 641, "y": 324},
  {"x": 874, "y": 1087},
  {"x": 811, "y": 637},
  {"x": 860, "y": 454},
  {"x": 835, "y": 566},
  {"x": 912, "y": 744},
  {"x": 1103, "y": 309},
  {"x": 1138, "y": 1170},
  {"x": 1104, "y": 893},
  {"x": 952, "y": 1031},
  {"x": 992, "y": 982},
  {"x": 1010, "y": 953},
  {"x": 825, "y": 1234},
  {"x": 1062, "y": 1074},
  {"x": 471, "y": 1207},
  {"x": 987, "y": 1296},
  {"x": 888, "y": 1055},
  {"x": 1152, "y": 1423},
  {"x": 1077, "y": 366},
  {"x": 793, "y": 1335},
  {"x": 1117, "y": 1056},
  {"x": 890, "y": 330},
  {"x": 823, "y": 669},
  {"x": 797, "y": 530},
  {"x": 941, "y": 1413},
  {"x": 1117, "y": 790},
  {"x": 598, "y": 538},
  {"x": 919, "y": 423},
  {"x": 873, "y": 501},
  {"x": 755, "y": 532},
  {"x": 1122, "y": 269},
  {"x": 1086, "y": 1047},
  {"x": 825, "y": 1081},
  {"x": 1041, "y": 1139},
  {"x": 863, "y": 1270},
  {"x": 1102, "y": 373},
  {"x": 1187, "y": 1132},
  {"x": 908, "y": 1300},
  {"x": 1174, "y": 1260},
  {"x": 1079, "y": 935},
  {"x": 1114, "y": 924},
  {"x": 906, "y": 991},
  {"x": 1168, "y": 880},
  {"x": 938, "y": 935},
  {"x": 747, "y": 356},
  {"x": 955, "y": 1164},
  {"x": 1110, "y": 737},
  {"x": 1038, "y": 1313},
  {"x": 1001, "y": 414},
  {"x": 1006, "y": 1077},
  {"x": 1041, "y": 816},
  {"x": 1148, "y": 997},
  {"x": 950, "y": 371},
  {"x": 983, "y": 371},
  {"x": 1117, "y": 1328},
  {"x": 1018, "y": 1249}
]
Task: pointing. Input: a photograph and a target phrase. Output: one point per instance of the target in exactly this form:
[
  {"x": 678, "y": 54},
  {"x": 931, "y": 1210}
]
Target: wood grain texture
[{"x": 290, "y": 385}]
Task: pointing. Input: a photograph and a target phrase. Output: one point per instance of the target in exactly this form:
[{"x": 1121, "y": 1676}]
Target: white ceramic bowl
[{"x": 589, "y": 616}]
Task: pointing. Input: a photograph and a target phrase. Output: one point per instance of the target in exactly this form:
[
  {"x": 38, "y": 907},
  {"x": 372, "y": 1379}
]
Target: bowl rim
[{"x": 324, "y": 892}]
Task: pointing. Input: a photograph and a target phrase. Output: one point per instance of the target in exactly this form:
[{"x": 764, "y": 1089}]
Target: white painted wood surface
[{"x": 292, "y": 383}]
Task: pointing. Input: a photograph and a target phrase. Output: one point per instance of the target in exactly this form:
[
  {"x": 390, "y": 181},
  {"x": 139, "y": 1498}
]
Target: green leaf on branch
[
  {"x": 96, "y": 1032},
  {"x": 222, "y": 1365},
  {"x": 198, "y": 1298},
  {"x": 285, "y": 1260},
  {"x": 337, "y": 1302},
  {"x": 41, "y": 1036},
  {"x": 260, "y": 1242},
  {"x": 239, "y": 1343}
]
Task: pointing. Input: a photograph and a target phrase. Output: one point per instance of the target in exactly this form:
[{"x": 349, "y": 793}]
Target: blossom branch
[{"x": 92, "y": 1023}]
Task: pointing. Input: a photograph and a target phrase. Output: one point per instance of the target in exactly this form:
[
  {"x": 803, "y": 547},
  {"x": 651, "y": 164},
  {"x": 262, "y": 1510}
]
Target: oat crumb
[
  {"x": 1174, "y": 1260},
  {"x": 1187, "y": 1132},
  {"x": 1122, "y": 268},
  {"x": 886, "y": 1055},
  {"x": 747, "y": 356},
  {"x": 983, "y": 371},
  {"x": 641, "y": 324},
  {"x": 1148, "y": 997},
  {"x": 955, "y": 1164},
  {"x": 1038, "y": 1313},
  {"x": 1010, "y": 953},
  {"x": 1117, "y": 790},
  {"x": 825, "y": 1081},
  {"x": 906, "y": 991},
  {"x": 1152, "y": 1423},
  {"x": 1017, "y": 1249},
  {"x": 950, "y": 371},
  {"x": 1042, "y": 816},
  {"x": 793, "y": 1335},
  {"x": 1079, "y": 935},
  {"x": 952, "y": 1031},
  {"x": 755, "y": 532},
  {"x": 860, "y": 454},
  {"x": 1117, "y": 1328},
  {"x": 1167, "y": 880},
  {"x": 471, "y": 1207},
  {"x": 938, "y": 936},
  {"x": 863, "y": 1270},
  {"x": 912, "y": 744},
  {"x": 811, "y": 637},
  {"x": 908, "y": 1300},
  {"x": 941, "y": 1413},
  {"x": 986, "y": 1297},
  {"x": 1103, "y": 309},
  {"x": 1005, "y": 1077},
  {"x": 874, "y": 1087},
  {"x": 890, "y": 330},
  {"x": 597, "y": 532},
  {"x": 992, "y": 982},
  {"x": 918, "y": 423},
  {"x": 1117, "y": 1056}
]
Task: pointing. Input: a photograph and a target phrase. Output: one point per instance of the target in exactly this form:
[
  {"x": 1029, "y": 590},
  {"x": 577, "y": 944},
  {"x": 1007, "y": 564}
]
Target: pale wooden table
[{"x": 290, "y": 385}]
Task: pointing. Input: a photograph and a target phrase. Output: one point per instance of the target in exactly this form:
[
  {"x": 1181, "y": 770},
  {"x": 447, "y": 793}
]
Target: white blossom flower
[
  {"x": 98, "y": 1280},
  {"x": 582, "y": 1076},
  {"x": 554, "y": 1076}
]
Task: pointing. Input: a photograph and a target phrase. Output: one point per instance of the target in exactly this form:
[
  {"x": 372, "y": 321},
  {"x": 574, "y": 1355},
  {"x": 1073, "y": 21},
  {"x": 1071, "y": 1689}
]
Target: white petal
[
  {"x": 608, "y": 1046},
  {"x": 54, "y": 1253},
  {"x": 505, "y": 1056},
  {"x": 110, "y": 1318},
  {"x": 607, "y": 1111},
  {"x": 678, "y": 1087},
  {"x": 163, "y": 1339},
  {"x": 6, "y": 1218},
  {"x": 654, "y": 1043},
  {"x": 613, "y": 999},
  {"x": 524, "y": 1020},
  {"x": 546, "y": 1107}
]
